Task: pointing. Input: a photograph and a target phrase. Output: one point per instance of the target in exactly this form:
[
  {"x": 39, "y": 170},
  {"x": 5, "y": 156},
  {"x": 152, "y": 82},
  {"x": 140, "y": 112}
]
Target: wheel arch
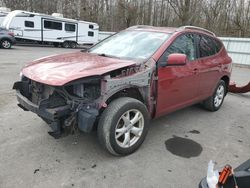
[
  {"x": 226, "y": 79},
  {"x": 6, "y": 38},
  {"x": 132, "y": 92}
]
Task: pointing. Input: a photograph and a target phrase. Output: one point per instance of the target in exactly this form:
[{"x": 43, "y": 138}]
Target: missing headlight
[{"x": 84, "y": 90}]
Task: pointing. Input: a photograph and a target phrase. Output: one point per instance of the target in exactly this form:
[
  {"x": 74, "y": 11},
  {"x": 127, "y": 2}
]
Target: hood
[{"x": 58, "y": 70}]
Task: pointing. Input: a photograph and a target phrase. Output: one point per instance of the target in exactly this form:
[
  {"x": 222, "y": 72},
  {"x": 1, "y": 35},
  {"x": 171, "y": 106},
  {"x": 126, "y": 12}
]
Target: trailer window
[
  {"x": 70, "y": 27},
  {"x": 52, "y": 25},
  {"x": 91, "y": 33},
  {"x": 29, "y": 24},
  {"x": 91, "y": 26}
]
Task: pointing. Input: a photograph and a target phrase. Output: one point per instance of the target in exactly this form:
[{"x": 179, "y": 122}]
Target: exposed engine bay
[{"x": 78, "y": 104}]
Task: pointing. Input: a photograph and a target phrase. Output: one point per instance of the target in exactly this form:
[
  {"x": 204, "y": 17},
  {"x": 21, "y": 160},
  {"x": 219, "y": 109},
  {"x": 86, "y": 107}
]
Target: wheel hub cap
[
  {"x": 219, "y": 96},
  {"x": 6, "y": 44},
  {"x": 129, "y": 128}
]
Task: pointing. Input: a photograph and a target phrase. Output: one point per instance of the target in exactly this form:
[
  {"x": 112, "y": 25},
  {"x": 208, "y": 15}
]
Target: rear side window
[
  {"x": 208, "y": 46},
  {"x": 70, "y": 27},
  {"x": 29, "y": 24},
  {"x": 52, "y": 25},
  {"x": 218, "y": 46},
  {"x": 184, "y": 44}
]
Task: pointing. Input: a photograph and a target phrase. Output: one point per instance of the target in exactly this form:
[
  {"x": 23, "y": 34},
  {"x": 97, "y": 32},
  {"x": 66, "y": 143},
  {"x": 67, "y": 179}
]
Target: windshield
[{"x": 131, "y": 44}]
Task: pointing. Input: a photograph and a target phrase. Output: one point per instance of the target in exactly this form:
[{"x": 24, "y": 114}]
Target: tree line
[{"x": 224, "y": 17}]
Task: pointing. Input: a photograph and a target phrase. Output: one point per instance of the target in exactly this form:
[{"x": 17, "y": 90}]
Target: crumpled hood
[{"x": 58, "y": 70}]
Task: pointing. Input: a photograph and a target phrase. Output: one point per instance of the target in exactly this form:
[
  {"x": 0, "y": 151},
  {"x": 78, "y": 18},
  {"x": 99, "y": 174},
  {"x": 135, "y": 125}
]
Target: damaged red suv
[{"x": 123, "y": 82}]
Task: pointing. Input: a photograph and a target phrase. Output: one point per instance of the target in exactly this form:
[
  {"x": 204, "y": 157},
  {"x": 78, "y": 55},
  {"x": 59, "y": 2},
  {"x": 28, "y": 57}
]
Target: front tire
[
  {"x": 6, "y": 44},
  {"x": 123, "y": 126},
  {"x": 214, "y": 102}
]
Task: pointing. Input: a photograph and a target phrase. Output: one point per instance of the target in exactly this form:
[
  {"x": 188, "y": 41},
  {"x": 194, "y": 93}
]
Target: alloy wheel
[
  {"x": 129, "y": 128},
  {"x": 6, "y": 44},
  {"x": 220, "y": 92}
]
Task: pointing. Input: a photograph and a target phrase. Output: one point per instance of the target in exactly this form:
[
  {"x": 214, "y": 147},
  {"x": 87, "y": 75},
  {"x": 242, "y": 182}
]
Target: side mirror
[{"x": 177, "y": 59}]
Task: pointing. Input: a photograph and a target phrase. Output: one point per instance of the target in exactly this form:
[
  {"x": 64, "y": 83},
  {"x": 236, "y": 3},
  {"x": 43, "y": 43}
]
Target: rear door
[
  {"x": 210, "y": 64},
  {"x": 178, "y": 85}
]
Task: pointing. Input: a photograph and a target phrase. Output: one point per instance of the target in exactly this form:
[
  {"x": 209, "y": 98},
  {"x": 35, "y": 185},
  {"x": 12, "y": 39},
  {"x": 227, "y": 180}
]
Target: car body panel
[
  {"x": 181, "y": 86},
  {"x": 60, "y": 69},
  {"x": 177, "y": 87},
  {"x": 212, "y": 69}
]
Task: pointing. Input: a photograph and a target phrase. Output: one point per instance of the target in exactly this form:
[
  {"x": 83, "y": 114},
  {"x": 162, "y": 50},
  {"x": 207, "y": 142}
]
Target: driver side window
[{"x": 184, "y": 44}]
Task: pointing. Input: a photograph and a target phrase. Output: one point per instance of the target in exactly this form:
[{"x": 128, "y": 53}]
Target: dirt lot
[{"x": 174, "y": 155}]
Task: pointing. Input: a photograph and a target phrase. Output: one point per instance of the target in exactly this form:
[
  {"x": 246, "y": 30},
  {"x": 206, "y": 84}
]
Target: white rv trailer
[
  {"x": 3, "y": 12},
  {"x": 53, "y": 28}
]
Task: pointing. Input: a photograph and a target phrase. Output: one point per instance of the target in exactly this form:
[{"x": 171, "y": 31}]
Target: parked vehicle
[
  {"x": 121, "y": 83},
  {"x": 41, "y": 28},
  {"x": 7, "y": 38}
]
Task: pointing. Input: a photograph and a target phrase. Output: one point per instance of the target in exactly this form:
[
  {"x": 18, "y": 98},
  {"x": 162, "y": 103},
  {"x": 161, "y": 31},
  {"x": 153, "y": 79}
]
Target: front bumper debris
[
  {"x": 52, "y": 114},
  {"x": 63, "y": 117}
]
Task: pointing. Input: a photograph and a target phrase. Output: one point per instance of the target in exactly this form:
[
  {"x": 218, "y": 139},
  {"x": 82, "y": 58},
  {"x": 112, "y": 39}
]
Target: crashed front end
[
  {"x": 60, "y": 106},
  {"x": 77, "y": 104}
]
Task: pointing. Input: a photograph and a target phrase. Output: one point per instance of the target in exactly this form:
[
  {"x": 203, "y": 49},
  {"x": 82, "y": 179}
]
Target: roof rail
[{"x": 197, "y": 28}]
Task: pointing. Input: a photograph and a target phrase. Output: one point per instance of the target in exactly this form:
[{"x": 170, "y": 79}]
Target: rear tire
[
  {"x": 66, "y": 44},
  {"x": 6, "y": 44},
  {"x": 123, "y": 126},
  {"x": 214, "y": 102},
  {"x": 73, "y": 45}
]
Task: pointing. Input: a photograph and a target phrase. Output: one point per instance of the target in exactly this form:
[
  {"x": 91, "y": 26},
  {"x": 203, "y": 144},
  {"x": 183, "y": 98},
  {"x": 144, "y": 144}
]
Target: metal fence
[{"x": 238, "y": 49}]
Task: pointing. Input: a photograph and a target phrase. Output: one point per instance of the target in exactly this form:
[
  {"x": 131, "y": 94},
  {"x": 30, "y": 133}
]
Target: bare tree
[{"x": 224, "y": 17}]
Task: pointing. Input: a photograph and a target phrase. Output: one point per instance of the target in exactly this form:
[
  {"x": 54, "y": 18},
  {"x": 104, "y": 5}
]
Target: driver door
[{"x": 178, "y": 85}]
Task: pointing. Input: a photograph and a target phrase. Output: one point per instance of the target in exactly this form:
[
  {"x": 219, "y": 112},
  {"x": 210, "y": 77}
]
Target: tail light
[{"x": 11, "y": 34}]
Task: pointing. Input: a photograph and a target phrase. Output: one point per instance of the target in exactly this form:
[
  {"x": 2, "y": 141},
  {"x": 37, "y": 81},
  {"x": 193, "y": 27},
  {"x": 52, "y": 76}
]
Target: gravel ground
[{"x": 174, "y": 155}]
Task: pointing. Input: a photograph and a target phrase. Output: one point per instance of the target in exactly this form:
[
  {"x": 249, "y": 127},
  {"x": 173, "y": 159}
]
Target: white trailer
[{"x": 30, "y": 26}]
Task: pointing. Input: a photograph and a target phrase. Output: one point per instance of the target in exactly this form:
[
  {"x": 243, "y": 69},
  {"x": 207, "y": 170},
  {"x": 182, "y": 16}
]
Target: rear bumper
[
  {"x": 13, "y": 40},
  {"x": 52, "y": 114}
]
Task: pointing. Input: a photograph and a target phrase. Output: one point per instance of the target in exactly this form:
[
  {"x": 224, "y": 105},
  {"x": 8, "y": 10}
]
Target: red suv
[{"x": 121, "y": 83}]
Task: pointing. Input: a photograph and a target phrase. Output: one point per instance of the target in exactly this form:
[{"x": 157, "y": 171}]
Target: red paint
[
  {"x": 177, "y": 59},
  {"x": 177, "y": 87},
  {"x": 183, "y": 85},
  {"x": 60, "y": 69}
]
